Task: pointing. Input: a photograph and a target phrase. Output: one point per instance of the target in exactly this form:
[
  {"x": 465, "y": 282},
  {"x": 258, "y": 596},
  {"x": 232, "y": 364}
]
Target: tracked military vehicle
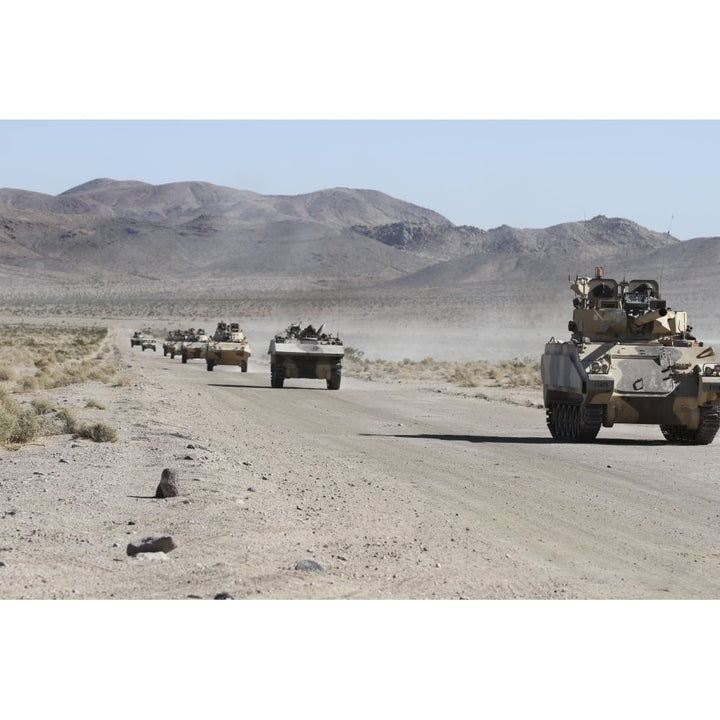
[
  {"x": 306, "y": 353},
  {"x": 173, "y": 342},
  {"x": 136, "y": 339},
  {"x": 630, "y": 359},
  {"x": 228, "y": 346},
  {"x": 194, "y": 346}
]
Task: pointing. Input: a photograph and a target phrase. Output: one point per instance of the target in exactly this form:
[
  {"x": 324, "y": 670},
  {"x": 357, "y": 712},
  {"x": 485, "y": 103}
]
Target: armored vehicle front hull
[
  {"x": 294, "y": 358},
  {"x": 227, "y": 353},
  {"x": 673, "y": 384},
  {"x": 193, "y": 351}
]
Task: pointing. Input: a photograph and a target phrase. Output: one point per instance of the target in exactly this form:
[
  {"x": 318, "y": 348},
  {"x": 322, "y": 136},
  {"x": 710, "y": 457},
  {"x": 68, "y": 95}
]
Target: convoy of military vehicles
[
  {"x": 296, "y": 353},
  {"x": 630, "y": 359}
]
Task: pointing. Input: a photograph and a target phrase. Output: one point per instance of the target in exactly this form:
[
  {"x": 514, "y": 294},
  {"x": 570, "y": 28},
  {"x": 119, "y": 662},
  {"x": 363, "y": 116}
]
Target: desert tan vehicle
[
  {"x": 194, "y": 347},
  {"x": 136, "y": 339},
  {"x": 228, "y": 346},
  {"x": 173, "y": 342},
  {"x": 306, "y": 353},
  {"x": 630, "y": 359},
  {"x": 149, "y": 344}
]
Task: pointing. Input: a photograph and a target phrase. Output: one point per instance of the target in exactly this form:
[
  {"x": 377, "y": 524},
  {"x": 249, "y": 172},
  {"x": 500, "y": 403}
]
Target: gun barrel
[{"x": 651, "y": 316}]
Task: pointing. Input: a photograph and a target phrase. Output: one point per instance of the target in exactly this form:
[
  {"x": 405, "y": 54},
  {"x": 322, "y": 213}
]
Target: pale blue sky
[
  {"x": 446, "y": 65},
  {"x": 524, "y": 173}
]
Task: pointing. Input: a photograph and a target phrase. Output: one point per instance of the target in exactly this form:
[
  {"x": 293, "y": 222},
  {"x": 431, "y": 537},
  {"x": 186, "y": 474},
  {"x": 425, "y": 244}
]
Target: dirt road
[{"x": 393, "y": 490}]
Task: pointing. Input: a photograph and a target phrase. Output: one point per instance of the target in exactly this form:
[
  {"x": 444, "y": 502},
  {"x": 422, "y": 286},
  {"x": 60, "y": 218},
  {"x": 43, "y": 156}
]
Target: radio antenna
[{"x": 667, "y": 237}]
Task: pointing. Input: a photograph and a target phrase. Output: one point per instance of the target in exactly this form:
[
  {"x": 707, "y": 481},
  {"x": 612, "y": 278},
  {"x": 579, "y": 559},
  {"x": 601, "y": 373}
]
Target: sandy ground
[
  {"x": 381, "y": 491},
  {"x": 393, "y": 490}
]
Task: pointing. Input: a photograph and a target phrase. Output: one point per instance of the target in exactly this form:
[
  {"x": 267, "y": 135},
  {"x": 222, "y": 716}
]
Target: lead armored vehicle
[
  {"x": 630, "y": 359},
  {"x": 306, "y": 353},
  {"x": 228, "y": 346},
  {"x": 136, "y": 339}
]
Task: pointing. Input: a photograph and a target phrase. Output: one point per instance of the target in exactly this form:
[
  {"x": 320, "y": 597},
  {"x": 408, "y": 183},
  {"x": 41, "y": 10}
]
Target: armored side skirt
[{"x": 651, "y": 384}]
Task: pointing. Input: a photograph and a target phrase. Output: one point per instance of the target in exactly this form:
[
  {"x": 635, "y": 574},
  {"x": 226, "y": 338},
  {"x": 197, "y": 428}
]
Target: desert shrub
[
  {"x": 66, "y": 420},
  {"x": 7, "y": 373},
  {"x": 18, "y": 424},
  {"x": 42, "y": 406},
  {"x": 99, "y": 432},
  {"x": 93, "y": 403},
  {"x": 509, "y": 373},
  {"x": 123, "y": 381},
  {"x": 58, "y": 356},
  {"x": 353, "y": 354}
]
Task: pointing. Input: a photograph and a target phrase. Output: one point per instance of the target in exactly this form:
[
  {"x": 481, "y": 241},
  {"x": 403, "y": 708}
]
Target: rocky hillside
[
  {"x": 183, "y": 202},
  {"x": 445, "y": 241},
  {"x": 109, "y": 230}
]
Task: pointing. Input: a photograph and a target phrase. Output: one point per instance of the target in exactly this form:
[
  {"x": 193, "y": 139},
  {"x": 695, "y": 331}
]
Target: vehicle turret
[{"x": 605, "y": 310}]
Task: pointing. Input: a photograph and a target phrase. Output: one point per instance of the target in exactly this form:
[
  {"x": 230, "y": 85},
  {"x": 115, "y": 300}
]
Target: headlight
[{"x": 601, "y": 366}]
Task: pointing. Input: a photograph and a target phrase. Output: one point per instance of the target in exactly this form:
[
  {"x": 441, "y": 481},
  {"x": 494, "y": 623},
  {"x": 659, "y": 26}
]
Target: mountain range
[{"x": 109, "y": 230}]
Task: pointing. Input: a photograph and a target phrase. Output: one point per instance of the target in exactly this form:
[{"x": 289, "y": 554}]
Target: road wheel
[
  {"x": 574, "y": 423},
  {"x": 277, "y": 375},
  {"x": 335, "y": 376}
]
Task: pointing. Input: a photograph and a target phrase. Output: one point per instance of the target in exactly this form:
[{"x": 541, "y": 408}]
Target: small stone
[
  {"x": 150, "y": 557},
  {"x": 153, "y": 544},
  {"x": 223, "y": 596},
  {"x": 168, "y": 486},
  {"x": 309, "y": 566}
]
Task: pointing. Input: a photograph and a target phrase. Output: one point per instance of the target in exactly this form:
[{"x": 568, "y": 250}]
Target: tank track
[
  {"x": 572, "y": 422},
  {"x": 704, "y": 434}
]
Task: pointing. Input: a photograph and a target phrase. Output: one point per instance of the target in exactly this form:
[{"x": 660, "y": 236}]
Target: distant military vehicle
[
  {"x": 306, "y": 353},
  {"x": 136, "y": 339},
  {"x": 173, "y": 342},
  {"x": 228, "y": 346},
  {"x": 194, "y": 346},
  {"x": 630, "y": 359},
  {"x": 149, "y": 344}
]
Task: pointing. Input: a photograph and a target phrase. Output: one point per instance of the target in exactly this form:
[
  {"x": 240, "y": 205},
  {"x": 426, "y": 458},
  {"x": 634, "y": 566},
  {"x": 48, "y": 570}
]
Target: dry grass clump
[
  {"x": 98, "y": 432},
  {"x": 21, "y": 423},
  {"x": 41, "y": 357},
  {"x": 7, "y": 373},
  {"x": 506, "y": 373},
  {"x": 38, "y": 358},
  {"x": 18, "y": 423}
]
